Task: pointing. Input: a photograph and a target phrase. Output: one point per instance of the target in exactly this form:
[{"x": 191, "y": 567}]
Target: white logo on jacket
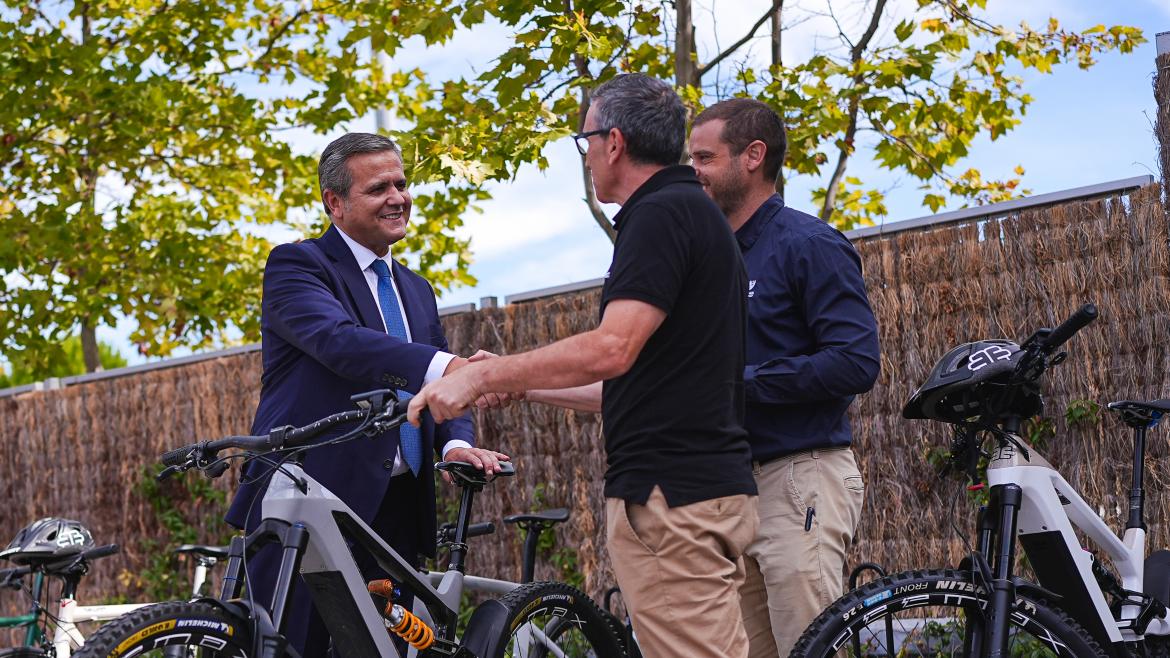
[{"x": 751, "y": 288}]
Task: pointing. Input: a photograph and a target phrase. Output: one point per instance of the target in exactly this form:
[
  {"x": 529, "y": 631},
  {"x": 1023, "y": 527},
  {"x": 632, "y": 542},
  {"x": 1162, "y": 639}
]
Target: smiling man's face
[{"x": 377, "y": 209}]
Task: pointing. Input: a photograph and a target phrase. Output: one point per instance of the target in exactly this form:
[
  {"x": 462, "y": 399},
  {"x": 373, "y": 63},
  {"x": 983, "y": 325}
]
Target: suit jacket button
[{"x": 388, "y": 464}]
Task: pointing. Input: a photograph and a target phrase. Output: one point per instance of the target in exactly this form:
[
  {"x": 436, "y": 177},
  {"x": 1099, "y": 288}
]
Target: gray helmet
[
  {"x": 48, "y": 539},
  {"x": 969, "y": 381}
]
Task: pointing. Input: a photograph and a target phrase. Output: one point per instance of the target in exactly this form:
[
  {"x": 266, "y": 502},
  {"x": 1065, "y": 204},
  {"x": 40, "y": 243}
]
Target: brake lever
[{"x": 168, "y": 472}]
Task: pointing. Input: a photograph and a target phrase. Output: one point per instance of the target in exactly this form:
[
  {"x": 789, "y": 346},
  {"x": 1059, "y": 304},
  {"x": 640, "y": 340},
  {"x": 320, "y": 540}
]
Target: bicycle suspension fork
[{"x": 1003, "y": 510}]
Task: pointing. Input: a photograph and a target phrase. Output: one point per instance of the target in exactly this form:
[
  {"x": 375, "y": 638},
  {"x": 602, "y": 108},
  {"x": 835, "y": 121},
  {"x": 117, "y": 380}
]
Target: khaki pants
[
  {"x": 680, "y": 570},
  {"x": 794, "y": 574}
]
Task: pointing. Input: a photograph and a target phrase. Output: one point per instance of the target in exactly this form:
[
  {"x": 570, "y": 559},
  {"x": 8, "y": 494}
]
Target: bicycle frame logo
[{"x": 987, "y": 356}]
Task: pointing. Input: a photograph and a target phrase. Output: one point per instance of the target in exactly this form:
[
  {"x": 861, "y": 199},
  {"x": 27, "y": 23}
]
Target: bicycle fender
[
  {"x": 266, "y": 642},
  {"x": 1032, "y": 590},
  {"x": 486, "y": 629}
]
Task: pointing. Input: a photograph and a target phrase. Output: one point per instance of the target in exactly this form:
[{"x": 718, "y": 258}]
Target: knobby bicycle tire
[
  {"x": 542, "y": 615},
  {"x": 927, "y": 613},
  {"x": 177, "y": 628}
]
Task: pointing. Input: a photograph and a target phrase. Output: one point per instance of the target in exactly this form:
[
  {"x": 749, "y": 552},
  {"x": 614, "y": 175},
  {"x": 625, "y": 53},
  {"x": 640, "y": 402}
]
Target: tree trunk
[
  {"x": 1162, "y": 123},
  {"x": 89, "y": 176},
  {"x": 595, "y": 210},
  {"x": 777, "y": 64},
  {"x": 686, "y": 69},
  {"x": 89, "y": 347}
]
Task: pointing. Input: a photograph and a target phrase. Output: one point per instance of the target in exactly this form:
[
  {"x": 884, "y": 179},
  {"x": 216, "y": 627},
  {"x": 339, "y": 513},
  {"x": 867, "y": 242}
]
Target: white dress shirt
[{"x": 365, "y": 258}]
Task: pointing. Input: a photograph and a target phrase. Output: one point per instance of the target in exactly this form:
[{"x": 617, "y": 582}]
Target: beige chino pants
[
  {"x": 680, "y": 570},
  {"x": 792, "y": 573}
]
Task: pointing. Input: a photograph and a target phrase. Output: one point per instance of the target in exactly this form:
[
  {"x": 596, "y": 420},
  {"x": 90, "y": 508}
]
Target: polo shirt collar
[
  {"x": 755, "y": 225},
  {"x": 660, "y": 179}
]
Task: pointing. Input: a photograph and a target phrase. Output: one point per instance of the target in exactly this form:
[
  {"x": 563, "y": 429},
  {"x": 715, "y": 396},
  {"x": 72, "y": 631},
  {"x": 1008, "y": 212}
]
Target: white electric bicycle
[
  {"x": 1079, "y": 606},
  {"x": 317, "y": 534},
  {"x": 56, "y": 632}
]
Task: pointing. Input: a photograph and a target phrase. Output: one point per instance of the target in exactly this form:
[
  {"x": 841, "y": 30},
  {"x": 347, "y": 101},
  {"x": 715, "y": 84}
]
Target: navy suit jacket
[{"x": 323, "y": 341}]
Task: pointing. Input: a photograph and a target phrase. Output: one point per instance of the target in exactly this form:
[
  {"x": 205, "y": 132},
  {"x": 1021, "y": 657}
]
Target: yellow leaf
[{"x": 473, "y": 171}]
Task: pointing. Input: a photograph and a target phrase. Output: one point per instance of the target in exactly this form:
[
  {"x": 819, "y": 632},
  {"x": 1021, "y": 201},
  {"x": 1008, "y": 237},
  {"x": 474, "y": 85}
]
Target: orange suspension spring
[
  {"x": 411, "y": 628},
  {"x": 401, "y": 621}
]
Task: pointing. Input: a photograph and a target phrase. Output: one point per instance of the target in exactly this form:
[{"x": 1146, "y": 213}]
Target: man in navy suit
[{"x": 340, "y": 317}]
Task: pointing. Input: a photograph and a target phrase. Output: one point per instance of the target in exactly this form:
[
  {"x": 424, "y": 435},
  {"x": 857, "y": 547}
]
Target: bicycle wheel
[
  {"x": 553, "y": 619},
  {"x": 920, "y": 613},
  {"x": 191, "y": 629}
]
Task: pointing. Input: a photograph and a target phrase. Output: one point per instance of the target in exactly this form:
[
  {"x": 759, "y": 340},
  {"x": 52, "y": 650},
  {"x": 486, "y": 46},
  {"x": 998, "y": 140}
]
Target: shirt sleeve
[
  {"x": 454, "y": 443},
  {"x": 652, "y": 258},
  {"x": 438, "y": 366},
  {"x": 827, "y": 271}
]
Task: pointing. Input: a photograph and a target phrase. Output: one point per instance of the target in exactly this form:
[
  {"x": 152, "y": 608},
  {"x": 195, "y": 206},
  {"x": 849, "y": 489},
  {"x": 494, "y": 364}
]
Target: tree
[
  {"x": 916, "y": 85},
  {"x": 18, "y": 374},
  {"x": 142, "y": 161}
]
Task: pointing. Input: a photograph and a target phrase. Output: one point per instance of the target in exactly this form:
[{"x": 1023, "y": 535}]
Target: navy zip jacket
[{"x": 812, "y": 341}]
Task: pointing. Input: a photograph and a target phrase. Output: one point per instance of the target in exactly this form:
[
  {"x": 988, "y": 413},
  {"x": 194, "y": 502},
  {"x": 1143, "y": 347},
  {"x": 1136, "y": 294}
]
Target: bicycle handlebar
[
  {"x": 1075, "y": 322},
  {"x": 379, "y": 408},
  {"x": 10, "y": 577}
]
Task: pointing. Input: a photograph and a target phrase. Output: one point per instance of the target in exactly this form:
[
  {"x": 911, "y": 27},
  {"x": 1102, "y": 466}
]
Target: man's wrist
[{"x": 454, "y": 364}]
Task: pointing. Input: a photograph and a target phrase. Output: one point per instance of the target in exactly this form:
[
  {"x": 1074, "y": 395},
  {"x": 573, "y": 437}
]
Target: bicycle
[
  {"x": 65, "y": 636},
  {"x": 313, "y": 526},
  {"x": 1078, "y": 607}
]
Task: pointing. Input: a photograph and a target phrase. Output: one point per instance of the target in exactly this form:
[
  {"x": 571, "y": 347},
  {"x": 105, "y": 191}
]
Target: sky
[{"x": 1084, "y": 127}]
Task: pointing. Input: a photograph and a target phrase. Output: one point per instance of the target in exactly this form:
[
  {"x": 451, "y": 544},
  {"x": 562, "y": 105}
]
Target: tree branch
[
  {"x": 874, "y": 20},
  {"x": 276, "y": 35},
  {"x": 854, "y": 106},
  {"x": 776, "y": 4}
]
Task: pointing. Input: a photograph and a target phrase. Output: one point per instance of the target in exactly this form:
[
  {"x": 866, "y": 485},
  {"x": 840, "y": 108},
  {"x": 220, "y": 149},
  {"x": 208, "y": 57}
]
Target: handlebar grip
[
  {"x": 1077, "y": 321},
  {"x": 178, "y": 456},
  {"x": 100, "y": 552},
  {"x": 478, "y": 529},
  {"x": 300, "y": 436}
]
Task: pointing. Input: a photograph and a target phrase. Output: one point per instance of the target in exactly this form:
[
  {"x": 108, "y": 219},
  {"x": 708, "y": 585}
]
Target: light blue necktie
[{"x": 409, "y": 440}]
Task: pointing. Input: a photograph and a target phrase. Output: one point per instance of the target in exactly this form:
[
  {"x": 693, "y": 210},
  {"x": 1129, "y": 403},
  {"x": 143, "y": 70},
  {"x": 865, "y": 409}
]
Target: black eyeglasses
[{"x": 582, "y": 139}]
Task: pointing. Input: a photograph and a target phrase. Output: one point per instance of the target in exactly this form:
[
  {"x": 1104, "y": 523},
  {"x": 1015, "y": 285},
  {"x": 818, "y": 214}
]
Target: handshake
[
  {"x": 462, "y": 385},
  {"x": 560, "y": 374},
  {"x": 489, "y": 400}
]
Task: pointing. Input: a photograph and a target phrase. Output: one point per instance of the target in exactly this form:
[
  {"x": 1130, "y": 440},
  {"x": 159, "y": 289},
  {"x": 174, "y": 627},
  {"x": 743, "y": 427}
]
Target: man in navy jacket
[
  {"x": 341, "y": 317},
  {"x": 812, "y": 345}
]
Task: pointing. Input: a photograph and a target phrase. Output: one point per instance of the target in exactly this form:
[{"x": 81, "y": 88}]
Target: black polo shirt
[{"x": 676, "y": 418}]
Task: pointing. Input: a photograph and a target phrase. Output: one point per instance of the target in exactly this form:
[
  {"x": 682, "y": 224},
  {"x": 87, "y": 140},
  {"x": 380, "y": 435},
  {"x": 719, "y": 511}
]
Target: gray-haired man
[{"x": 680, "y": 499}]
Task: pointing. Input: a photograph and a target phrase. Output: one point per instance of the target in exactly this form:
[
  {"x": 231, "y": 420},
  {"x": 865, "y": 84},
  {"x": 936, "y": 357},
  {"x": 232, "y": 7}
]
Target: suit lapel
[
  {"x": 359, "y": 291},
  {"x": 413, "y": 304}
]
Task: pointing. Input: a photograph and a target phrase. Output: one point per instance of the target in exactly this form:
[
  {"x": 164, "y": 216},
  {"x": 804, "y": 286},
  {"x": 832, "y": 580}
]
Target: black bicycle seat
[
  {"x": 547, "y": 517},
  {"x": 469, "y": 475},
  {"x": 220, "y": 552},
  {"x": 1140, "y": 414}
]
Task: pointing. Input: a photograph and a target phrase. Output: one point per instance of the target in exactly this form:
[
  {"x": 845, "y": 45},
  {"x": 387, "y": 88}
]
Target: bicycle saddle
[
  {"x": 547, "y": 517},
  {"x": 220, "y": 552},
  {"x": 1140, "y": 414},
  {"x": 467, "y": 475}
]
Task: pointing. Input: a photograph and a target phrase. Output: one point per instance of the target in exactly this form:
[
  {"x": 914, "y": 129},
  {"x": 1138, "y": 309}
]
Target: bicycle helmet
[
  {"x": 968, "y": 382},
  {"x": 46, "y": 540}
]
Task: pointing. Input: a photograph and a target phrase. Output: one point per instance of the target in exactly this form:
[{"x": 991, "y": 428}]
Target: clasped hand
[{"x": 453, "y": 393}]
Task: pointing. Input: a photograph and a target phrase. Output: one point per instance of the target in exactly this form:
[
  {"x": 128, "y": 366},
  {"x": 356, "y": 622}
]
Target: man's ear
[
  {"x": 616, "y": 145},
  {"x": 753, "y": 156},
  {"x": 334, "y": 202}
]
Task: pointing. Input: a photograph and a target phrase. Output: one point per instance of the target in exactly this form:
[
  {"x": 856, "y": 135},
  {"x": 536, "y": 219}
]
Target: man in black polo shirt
[
  {"x": 680, "y": 498},
  {"x": 812, "y": 345}
]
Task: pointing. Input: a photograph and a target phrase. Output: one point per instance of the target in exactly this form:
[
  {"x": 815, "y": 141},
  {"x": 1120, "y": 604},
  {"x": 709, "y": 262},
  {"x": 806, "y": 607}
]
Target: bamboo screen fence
[{"x": 83, "y": 451}]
